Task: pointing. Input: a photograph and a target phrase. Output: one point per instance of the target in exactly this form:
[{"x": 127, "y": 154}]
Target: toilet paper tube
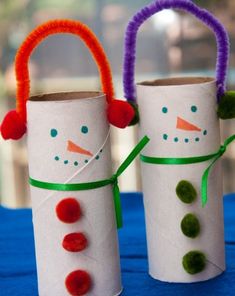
[
  {"x": 179, "y": 116},
  {"x": 68, "y": 142}
]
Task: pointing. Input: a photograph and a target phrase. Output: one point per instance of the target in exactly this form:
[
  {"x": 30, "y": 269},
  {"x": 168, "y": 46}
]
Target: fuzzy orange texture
[{"x": 41, "y": 33}]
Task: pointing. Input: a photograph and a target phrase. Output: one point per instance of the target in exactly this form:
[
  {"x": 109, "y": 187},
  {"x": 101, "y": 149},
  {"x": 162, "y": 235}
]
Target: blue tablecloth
[{"x": 17, "y": 258}]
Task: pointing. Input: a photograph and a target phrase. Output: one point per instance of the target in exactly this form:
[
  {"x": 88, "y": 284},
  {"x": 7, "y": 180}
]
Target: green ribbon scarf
[
  {"x": 100, "y": 183},
  {"x": 196, "y": 159}
]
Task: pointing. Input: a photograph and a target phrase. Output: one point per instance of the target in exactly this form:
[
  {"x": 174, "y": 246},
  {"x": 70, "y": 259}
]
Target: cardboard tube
[
  {"x": 179, "y": 116},
  {"x": 80, "y": 118}
]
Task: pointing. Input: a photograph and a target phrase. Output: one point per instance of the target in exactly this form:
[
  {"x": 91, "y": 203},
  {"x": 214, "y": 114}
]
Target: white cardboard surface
[
  {"x": 163, "y": 209},
  {"x": 101, "y": 258}
]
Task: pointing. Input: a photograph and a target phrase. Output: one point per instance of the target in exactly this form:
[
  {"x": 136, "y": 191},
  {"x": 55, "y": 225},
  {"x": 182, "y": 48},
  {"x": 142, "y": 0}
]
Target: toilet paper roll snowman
[
  {"x": 181, "y": 170},
  {"x": 74, "y": 194},
  {"x": 75, "y": 231}
]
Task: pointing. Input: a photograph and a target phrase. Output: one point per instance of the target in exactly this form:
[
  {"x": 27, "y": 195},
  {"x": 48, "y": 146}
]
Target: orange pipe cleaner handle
[{"x": 41, "y": 33}]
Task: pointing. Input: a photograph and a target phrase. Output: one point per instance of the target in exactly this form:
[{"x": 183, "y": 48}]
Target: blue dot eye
[
  {"x": 164, "y": 110},
  {"x": 84, "y": 129},
  {"x": 54, "y": 133},
  {"x": 194, "y": 109}
]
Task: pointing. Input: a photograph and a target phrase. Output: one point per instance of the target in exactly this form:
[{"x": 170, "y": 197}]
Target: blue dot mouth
[
  {"x": 165, "y": 137},
  {"x": 176, "y": 139},
  {"x": 76, "y": 163}
]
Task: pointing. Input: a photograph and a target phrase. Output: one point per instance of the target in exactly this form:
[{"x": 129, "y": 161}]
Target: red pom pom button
[
  {"x": 68, "y": 210},
  {"x": 78, "y": 282},
  {"x": 75, "y": 242},
  {"x": 120, "y": 113},
  {"x": 13, "y": 127}
]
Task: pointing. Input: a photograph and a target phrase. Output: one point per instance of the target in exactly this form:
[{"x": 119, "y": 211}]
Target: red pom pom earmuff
[
  {"x": 120, "y": 113},
  {"x": 13, "y": 127}
]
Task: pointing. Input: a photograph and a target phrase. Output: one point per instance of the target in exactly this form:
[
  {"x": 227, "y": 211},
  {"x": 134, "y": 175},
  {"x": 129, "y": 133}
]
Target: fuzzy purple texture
[{"x": 205, "y": 16}]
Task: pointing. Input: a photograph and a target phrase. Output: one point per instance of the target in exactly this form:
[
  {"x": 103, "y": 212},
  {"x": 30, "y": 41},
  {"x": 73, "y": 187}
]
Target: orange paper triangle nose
[
  {"x": 72, "y": 147},
  {"x": 185, "y": 125}
]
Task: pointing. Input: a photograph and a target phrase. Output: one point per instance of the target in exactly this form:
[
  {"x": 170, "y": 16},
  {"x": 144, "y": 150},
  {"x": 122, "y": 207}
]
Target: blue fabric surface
[{"x": 17, "y": 258}]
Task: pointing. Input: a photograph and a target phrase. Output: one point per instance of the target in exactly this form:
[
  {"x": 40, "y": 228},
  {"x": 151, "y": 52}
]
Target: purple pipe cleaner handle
[{"x": 206, "y": 17}]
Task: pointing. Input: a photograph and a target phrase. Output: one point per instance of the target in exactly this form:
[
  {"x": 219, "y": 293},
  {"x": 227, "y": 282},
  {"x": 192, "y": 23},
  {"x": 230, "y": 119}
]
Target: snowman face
[
  {"x": 186, "y": 126},
  {"x": 72, "y": 153},
  {"x": 179, "y": 117},
  {"x": 64, "y": 135}
]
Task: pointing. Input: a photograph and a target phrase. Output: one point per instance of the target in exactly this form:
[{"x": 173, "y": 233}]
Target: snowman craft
[
  {"x": 70, "y": 174},
  {"x": 181, "y": 170}
]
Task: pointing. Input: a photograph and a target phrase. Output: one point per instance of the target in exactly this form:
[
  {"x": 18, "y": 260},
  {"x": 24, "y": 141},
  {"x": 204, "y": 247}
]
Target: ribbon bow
[
  {"x": 205, "y": 176},
  {"x": 100, "y": 183},
  {"x": 195, "y": 159}
]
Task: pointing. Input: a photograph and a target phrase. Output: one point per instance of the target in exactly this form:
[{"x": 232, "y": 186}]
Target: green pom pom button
[
  {"x": 226, "y": 109},
  {"x": 136, "y": 118},
  {"x": 186, "y": 192},
  {"x": 194, "y": 262},
  {"x": 190, "y": 225}
]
